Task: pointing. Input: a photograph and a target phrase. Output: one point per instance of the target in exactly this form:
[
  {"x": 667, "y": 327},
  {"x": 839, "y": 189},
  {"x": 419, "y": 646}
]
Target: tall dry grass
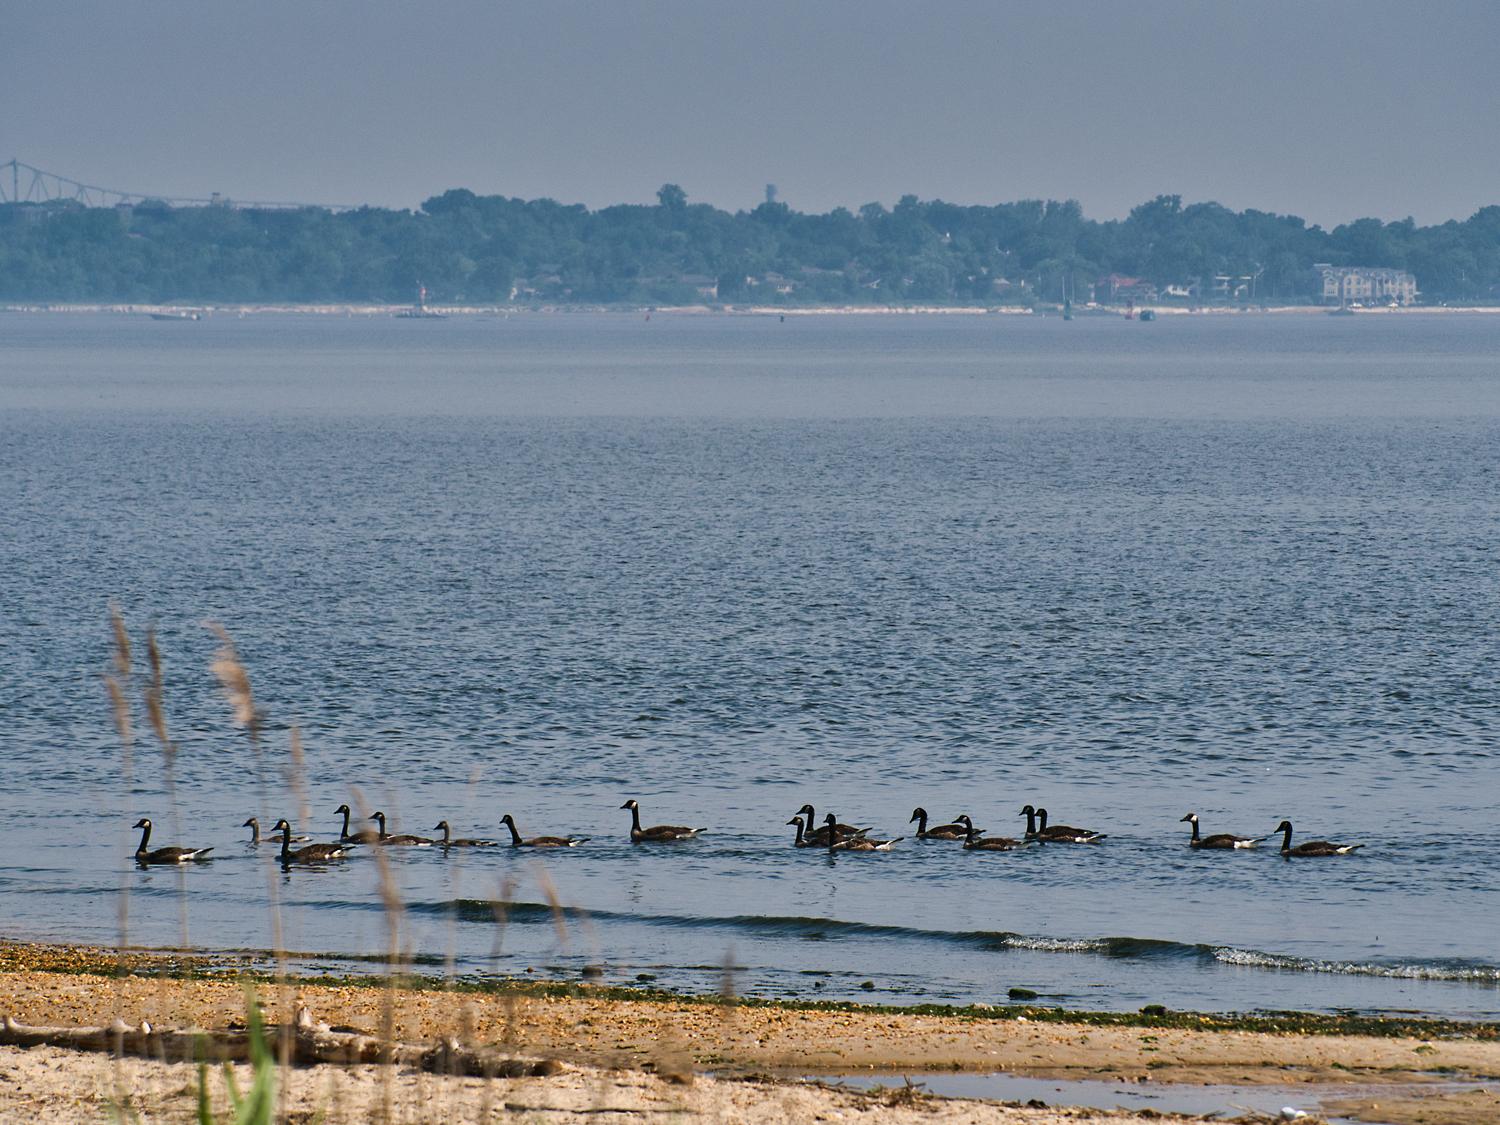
[{"x": 125, "y": 684}]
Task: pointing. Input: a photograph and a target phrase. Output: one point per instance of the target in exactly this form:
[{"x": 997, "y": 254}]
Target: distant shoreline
[{"x": 350, "y": 310}]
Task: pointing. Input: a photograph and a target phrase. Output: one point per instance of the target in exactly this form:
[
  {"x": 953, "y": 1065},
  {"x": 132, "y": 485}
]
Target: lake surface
[{"x": 1239, "y": 566}]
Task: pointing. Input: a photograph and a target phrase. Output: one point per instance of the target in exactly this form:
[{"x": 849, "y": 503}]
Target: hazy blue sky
[{"x": 1330, "y": 110}]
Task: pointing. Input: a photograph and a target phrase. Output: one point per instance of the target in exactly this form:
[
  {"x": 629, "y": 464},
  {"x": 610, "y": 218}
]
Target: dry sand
[{"x": 632, "y": 1056}]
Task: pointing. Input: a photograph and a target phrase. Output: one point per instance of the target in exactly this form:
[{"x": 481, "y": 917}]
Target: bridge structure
[{"x": 24, "y": 183}]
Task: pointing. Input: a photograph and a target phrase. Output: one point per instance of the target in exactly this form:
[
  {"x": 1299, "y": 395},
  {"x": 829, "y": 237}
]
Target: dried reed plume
[
  {"x": 155, "y": 711},
  {"x": 235, "y": 681}
]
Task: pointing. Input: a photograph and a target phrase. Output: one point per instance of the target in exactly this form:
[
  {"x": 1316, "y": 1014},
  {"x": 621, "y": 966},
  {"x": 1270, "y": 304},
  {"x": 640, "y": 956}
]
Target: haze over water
[{"x": 1237, "y": 566}]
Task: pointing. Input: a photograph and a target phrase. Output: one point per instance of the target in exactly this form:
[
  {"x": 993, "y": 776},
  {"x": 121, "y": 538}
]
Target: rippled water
[{"x": 1244, "y": 567}]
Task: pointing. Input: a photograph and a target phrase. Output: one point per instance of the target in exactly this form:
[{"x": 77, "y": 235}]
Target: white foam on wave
[
  {"x": 1057, "y": 945},
  {"x": 1254, "y": 959}
]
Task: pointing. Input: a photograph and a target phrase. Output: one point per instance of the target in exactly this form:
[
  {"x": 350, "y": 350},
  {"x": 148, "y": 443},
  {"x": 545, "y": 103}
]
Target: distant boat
[
  {"x": 420, "y": 311},
  {"x": 176, "y": 316}
]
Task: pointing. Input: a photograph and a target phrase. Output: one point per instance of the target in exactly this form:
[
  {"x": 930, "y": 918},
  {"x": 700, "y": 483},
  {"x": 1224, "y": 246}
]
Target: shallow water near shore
[
  {"x": 1240, "y": 566},
  {"x": 1205, "y": 1100}
]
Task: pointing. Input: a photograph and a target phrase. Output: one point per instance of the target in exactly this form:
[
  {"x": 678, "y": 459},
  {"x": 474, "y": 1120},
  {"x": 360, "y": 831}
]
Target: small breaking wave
[
  {"x": 997, "y": 941},
  {"x": 1450, "y": 971}
]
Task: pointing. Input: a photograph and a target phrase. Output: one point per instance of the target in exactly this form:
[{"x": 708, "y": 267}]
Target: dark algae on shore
[{"x": 245, "y": 968}]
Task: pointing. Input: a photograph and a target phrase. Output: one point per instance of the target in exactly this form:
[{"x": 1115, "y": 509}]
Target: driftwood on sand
[{"x": 302, "y": 1043}]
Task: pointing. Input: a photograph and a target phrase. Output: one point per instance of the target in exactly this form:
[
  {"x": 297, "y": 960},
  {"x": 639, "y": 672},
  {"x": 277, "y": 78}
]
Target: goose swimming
[
  {"x": 1311, "y": 847},
  {"x": 819, "y": 835},
  {"x": 255, "y": 838},
  {"x": 449, "y": 842},
  {"x": 363, "y": 836},
  {"x": 941, "y": 832},
  {"x": 1219, "y": 840},
  {"x": 855, "y": 843},
  {"x": 540, "y": 841},
  {"x": 1063, "y": 834},
  {"x": 160, "y": 856},
  {"x": 402, "y": 839},
  {"x": 658, "y": 834},
  {"x": 802, "y": 840},
  {"x": 974, "y": 842},
  {"x": 313, "y": 853},
  {"x": 1057, "y": 833}
]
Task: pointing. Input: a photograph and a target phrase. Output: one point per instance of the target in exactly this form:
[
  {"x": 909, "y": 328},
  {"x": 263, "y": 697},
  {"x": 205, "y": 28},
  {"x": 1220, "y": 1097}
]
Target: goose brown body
[
  {"x": 855, "y": 843},
  {"x": 363, "y": 836},
  {"x": 975, "y": 842},
  {"x": 1310, "y": 848},
  {"x": 147, "y": 856},
  {"x": 449, "y": 842},
  {"x": 939, "y": 832},
  {"x": 821, "y": 834},
  {"x": 313, "y": 853},
  {"x": 400, "y": 839},
  {"x": 517, "y": 841},
  {"x": 657, "y": 834},
  {"x": 1057, "y": 833},
  {"x": 1220, "y": 840}
]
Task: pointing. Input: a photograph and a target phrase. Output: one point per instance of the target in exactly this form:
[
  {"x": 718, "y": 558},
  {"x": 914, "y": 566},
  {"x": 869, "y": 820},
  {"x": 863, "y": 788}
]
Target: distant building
[
  {"x": 1117, "y": 287},
  {"x": 706, "y": 287},
  {"x": 1366, "y": 284}
]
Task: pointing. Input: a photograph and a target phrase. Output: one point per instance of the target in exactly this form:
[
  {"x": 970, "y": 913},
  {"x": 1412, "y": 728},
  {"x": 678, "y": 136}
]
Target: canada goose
[
  {"x": 1311, "y": 847},
  {"x": 402, "y": 839},
  {"x": 803, "y": 840},
  {"x": 658, "y": 834},
  {"x": 255, "y": 838},
  {"x": 973, "y": 842},
  {"x": 449, "y": 842},
  {"x": 941, "y": 832},
  {"x": 540, "y": 841},
  {"x": 363, "y": 836},
  {"x": 163, "y": 855},
  {"x": 1058, "y": 833},
  {"x": 313, "y": 853},
  {"x": 854, "y": 843},
  {"x": 1220, "y": 840},
  {"x": 819, "y": 835}
]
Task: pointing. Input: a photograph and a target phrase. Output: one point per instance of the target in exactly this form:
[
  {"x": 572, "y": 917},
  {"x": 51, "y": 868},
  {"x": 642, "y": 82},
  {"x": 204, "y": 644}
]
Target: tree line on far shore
[{"x": 487, "y": 250}]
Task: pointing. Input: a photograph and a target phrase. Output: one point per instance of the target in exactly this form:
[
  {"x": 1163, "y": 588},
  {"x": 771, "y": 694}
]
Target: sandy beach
[{"x": 724, "y": 1061}]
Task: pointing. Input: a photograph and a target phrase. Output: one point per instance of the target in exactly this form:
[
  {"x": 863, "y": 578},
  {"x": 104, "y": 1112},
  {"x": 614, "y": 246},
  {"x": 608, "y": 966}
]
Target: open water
[{"x": 1239, "y": 566}]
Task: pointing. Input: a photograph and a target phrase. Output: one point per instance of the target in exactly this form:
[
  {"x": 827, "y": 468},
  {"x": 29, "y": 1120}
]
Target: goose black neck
[
  {"x": 379, "y": 818},
  {"x": 1041, "y": 815},
  {"x": 515, "y": 837},
  {"x": 447, "y": 834},
  {"x": 1194, "y": 823},
  {"x": 1030, "y": 814},
  {"x": 798, "y": 822},
  {"x": 254, "y": 831},
  {"x": 345, "y": 831},
  {"x": 286, "y": 841},
  {"x": 970, "y": 832},
  {"x": 635, "y": 818},
  {"x": 145, "y": 836},
  {"x": 921, "y": 815},
  {"x": 1286, "y": 838}
]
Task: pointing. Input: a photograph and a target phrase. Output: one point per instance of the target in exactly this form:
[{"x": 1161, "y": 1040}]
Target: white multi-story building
[{"x": 1366, "y": 284}]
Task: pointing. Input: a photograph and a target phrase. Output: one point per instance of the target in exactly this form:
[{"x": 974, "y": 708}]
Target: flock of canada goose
[{"x": 830, "y": 835}]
